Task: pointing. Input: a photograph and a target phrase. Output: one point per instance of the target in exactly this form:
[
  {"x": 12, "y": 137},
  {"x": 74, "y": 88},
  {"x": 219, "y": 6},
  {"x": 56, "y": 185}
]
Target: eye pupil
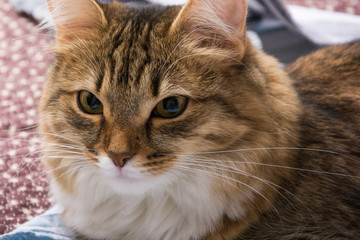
[
  {"x": 93, "y": 102},
  {"x": 171, "y": 105},
  {"x": 89, "y": 103}
]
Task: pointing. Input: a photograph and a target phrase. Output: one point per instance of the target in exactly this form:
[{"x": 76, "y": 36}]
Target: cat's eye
[
  {"x": 171, "y": 107},
  {"x": 89, "y": 103}
]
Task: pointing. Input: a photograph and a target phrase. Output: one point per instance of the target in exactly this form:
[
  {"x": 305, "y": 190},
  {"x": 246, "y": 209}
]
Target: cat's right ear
[
  {"x": 76, "y": 19},
  {"x": 213, "y": 23}
]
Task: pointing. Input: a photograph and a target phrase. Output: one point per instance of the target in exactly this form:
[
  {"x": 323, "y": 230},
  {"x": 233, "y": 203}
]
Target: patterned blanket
[{"x": 23, "y": 66}]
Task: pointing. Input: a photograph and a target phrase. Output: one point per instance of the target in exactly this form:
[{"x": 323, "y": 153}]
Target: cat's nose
[{"x": 120, "y": 159}]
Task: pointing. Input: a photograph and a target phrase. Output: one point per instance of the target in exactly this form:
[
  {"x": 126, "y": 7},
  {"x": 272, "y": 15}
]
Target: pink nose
[{"x": 120, "y": 159}]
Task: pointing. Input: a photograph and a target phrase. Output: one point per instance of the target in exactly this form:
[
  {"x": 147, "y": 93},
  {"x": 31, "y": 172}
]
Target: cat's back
[
  {"x": 329, "y": 81},
  {"x": 328, "y": 84},
  {"x": 336, "y": 61}
]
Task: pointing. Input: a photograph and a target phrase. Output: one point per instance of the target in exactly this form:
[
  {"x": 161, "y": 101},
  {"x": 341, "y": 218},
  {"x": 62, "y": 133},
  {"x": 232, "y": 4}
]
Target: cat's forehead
[
  {"x": 128, "y": 21},
  {"x": 136, "y": 48}
]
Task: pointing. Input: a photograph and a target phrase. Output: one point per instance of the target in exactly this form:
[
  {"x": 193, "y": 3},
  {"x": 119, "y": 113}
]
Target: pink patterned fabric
[
  {"x": 345, "y": 6},
  {"x": 23, "y": 66}
]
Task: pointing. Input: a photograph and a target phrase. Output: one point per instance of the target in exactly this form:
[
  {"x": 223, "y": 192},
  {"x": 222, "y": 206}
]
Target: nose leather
[{"x": 120, "y": 159}]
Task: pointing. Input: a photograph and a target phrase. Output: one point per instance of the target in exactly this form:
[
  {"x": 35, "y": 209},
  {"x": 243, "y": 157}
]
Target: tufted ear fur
[
  {"x": 74, "y": 19},
  {"x": 216, "y": 23}
]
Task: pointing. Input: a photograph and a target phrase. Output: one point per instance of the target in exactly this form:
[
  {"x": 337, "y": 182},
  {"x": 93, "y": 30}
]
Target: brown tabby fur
[{"x": 305, "y": 146}]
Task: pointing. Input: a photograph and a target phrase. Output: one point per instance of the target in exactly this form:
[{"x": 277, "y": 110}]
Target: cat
[{"x": 164, "y": 122}]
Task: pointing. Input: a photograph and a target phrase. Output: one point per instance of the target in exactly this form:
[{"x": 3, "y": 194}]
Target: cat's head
[{"x": 151, "y": 95}]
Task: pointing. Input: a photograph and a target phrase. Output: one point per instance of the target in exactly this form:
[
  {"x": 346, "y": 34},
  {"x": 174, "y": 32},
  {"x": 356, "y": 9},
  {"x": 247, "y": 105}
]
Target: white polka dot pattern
[{"x": 23, "y": 66}]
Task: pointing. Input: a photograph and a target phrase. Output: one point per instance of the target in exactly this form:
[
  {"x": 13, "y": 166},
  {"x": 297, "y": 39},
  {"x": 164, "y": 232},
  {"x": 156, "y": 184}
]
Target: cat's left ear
[
  {"x": 76, "y": 19},
  {"x": 215, "y": 22}
]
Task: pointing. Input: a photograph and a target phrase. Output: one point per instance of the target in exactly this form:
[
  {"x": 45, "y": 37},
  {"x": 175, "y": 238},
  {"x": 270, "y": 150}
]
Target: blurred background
[{"x": 286, "y": 28}]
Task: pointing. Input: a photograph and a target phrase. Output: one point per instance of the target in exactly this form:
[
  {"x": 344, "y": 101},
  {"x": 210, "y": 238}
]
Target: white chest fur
[{"x": 180, "y": 210}]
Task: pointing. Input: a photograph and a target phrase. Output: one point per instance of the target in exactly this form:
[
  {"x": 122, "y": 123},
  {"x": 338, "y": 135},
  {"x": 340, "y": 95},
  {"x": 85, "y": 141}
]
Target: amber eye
[
  {"x": 88, "y": 103},
  {"x": 171, "y": 107}
]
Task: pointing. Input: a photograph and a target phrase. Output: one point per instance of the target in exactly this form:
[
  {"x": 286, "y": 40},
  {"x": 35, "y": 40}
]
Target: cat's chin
[
  {"x": 129, "y": 185},
  {"x": 127, "y": 180}
]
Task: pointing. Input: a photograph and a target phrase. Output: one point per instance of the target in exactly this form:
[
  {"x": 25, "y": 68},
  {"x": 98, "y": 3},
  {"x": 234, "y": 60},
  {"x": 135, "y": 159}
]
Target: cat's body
[
  {"x": 317, "y": 203},
  {"x": 165, "y": 123}
]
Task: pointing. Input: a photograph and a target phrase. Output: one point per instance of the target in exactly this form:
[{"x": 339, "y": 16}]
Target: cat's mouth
[
  {"x": 133, "y": 166},
  {"x": 137, "y": 174},
  {"x": 120, "y": 159},
  {"x": 122, "y": 168}
]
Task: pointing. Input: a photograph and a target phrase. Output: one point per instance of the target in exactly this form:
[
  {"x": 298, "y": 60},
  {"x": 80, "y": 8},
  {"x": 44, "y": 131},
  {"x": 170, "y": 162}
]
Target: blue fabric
[{"x": 47, "y": 226}]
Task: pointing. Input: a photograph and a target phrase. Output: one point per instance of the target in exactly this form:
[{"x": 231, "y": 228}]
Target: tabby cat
[{"x": 164, "y": 122}]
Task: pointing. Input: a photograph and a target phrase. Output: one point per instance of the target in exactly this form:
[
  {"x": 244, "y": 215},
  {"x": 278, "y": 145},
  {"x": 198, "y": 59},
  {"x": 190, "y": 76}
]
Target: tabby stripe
[
  {"x": 131, "y": 53},
  {"x": 117, "y": 42},
  {"x": 54, "y": 100},
  {"x": 156, "y": 85},
  {"x": 227, "y": 107},
  {"x": 78, "y": 121},
  {"x": 124, "y": 77},
  {"x": 97, "y": 139},
  {"x": 116, "y": 38},
  {"x": 147, "y": 60},
  {"x": 141, "y": 70},
  {"x": 112, "y": 64},
  {"x": 99, "y": 82}
]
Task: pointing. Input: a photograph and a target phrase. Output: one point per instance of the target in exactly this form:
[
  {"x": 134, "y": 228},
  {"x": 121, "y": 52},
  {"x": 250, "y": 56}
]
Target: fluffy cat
[{"x": 166, "y": 123}]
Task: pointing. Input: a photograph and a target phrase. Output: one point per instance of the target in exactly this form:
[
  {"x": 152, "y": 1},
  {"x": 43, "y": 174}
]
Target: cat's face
[{"x": 140, "y": 99}]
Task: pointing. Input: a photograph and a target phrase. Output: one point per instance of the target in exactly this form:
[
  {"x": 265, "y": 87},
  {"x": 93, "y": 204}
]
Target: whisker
[
  {"x": 47, "y": 156},
  {"x": 244, "y": 173},
  {"x": 67, "y": 164},
  {"x": 54, "y": 153},
  {"x": 233, "y": 180},
  {"x": 73, "y": 147},
  {"x": 177, "y": 45},
  {"x": 58, "y": 136},
  {"x": 86, "y": 55},
  {"x": 32, "y": 35},
  {"x": 209, "y": 54},
  {"x": 198, "y": 54},
  {"x": 290, "y": 168},
  {"x": 187, "y": 92},
  {"x": 46, "y": 144},
  {"x": 69, "y": 171},
  {"x": 43, "y": 49},
  {"x": 51, "y": 157},
  {"x": 73, "y": 170},
  {"x": 259, "y": 149},
  {"x": 42, "y": 133}
]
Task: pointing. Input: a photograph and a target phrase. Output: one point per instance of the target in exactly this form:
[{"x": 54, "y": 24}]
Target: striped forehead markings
[{"x": 124, "y": 40}]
